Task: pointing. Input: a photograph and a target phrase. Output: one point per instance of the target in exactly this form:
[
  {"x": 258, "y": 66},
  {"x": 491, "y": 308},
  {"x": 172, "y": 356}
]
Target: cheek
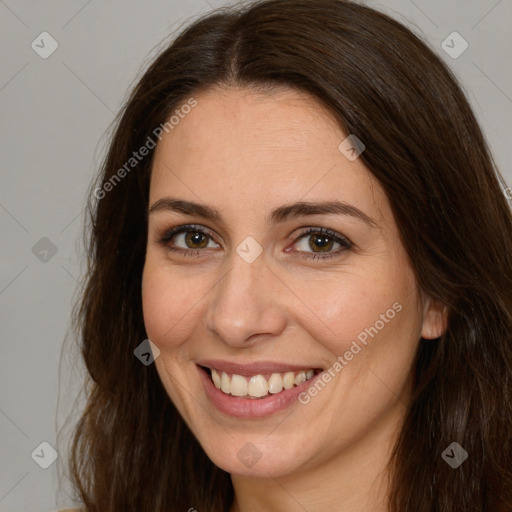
[
  {"x": 345, "y": 305},
  {"x": 371, "y": 307},
  {"x": 168, "y": 307}
]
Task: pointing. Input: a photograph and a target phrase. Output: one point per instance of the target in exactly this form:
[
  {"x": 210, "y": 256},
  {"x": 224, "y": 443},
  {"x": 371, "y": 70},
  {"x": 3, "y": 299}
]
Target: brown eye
[
  {"x": 187, "y": 238},
  {"x": 196, "y": 239},
  {"x": 321, "y": 242}
]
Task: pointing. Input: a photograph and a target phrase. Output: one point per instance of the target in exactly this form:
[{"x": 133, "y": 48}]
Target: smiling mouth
[{"x": 258, "y": 386}]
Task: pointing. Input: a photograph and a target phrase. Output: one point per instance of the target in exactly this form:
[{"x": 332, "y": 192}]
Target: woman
[{"x": 300, "y": 211}]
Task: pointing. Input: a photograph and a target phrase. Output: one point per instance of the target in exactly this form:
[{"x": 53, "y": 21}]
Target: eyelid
[
  {"x": 317, "y": 229},
  {"x": 345, "y": 242},
  {"x": 166, "y": 235}
]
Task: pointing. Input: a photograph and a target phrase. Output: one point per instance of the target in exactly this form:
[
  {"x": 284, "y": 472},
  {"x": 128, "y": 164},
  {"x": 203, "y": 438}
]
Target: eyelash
[{"x": 167, "y": 236}]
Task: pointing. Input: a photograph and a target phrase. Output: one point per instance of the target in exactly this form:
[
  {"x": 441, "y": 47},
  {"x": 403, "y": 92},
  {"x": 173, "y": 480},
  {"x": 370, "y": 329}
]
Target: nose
[{"x": 246, "y": 306}]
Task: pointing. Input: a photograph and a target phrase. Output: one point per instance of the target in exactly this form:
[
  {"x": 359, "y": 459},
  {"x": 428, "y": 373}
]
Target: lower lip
[{"x": 252, "y": 408}]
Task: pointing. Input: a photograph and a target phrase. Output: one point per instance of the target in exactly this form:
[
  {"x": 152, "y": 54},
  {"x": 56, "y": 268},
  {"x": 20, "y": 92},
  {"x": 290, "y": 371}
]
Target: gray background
[{"x": 55, "y": 113}]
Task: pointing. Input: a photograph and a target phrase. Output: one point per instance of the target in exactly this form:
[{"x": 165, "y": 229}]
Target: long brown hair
[{"x": 131, "y": 449}]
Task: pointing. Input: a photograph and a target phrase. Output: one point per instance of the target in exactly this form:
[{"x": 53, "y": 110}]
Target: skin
[{"x": 246, "y": 153}]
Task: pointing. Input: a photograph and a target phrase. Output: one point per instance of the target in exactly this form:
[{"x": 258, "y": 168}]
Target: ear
[{"x": 435, "y": 319}]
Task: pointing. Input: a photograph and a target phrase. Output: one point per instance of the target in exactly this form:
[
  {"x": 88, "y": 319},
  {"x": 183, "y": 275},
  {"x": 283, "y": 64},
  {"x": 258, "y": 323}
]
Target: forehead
[
  {"x": 227, "y": 125},
  {"x": 270, "y": 147}
]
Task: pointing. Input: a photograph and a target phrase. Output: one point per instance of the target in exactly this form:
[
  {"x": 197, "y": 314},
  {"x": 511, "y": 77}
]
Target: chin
[{"x": 256, "y": 456}]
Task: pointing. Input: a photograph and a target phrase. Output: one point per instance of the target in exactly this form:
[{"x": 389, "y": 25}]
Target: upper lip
[{"x": 254, "y": 368}]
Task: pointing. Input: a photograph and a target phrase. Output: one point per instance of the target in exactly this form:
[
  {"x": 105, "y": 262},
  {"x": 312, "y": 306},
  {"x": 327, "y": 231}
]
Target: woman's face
[{"x": 287, "y": 265}]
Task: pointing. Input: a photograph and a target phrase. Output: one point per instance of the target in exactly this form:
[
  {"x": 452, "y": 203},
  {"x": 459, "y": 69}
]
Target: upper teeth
[{"x": 258, "y": 386}]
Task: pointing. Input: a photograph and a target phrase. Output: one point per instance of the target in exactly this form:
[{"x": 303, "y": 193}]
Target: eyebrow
[{"x": 278, "y": 215}]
